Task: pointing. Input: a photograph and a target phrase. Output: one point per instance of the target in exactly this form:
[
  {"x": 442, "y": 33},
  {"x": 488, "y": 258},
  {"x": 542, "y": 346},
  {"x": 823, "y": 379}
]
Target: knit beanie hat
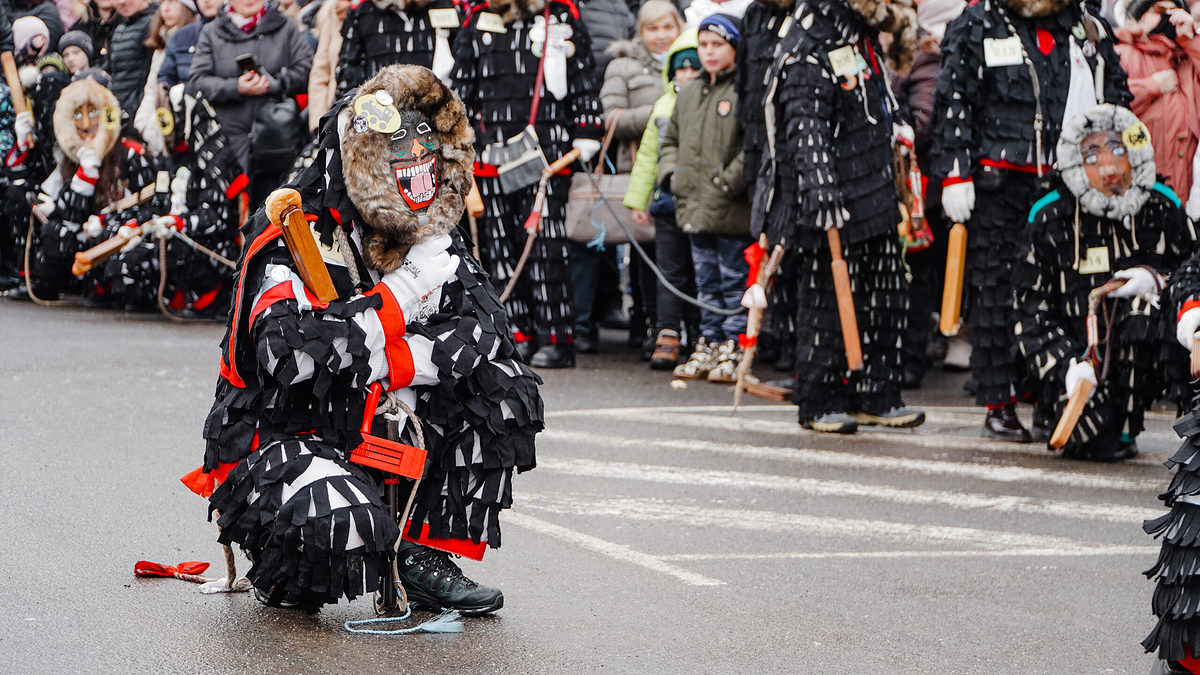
[
  {"x": 684, "y": 58},
  {"x": 77, "y": 38},
  {"x": 728, "y": 27},
  {"x": 190, "y": 4}
]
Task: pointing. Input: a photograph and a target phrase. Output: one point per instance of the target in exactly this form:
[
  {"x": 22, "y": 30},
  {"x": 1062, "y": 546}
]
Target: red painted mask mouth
[{"x": 417, "y": 182}]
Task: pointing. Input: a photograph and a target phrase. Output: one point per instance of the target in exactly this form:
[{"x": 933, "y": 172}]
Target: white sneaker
[
  {"x": 698, "y": 364},
  {"x": 728, "y": 356}
]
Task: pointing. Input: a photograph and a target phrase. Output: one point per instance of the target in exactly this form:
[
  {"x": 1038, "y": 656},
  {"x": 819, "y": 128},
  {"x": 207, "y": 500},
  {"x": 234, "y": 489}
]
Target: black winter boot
[{"x": 434, "y": 582}]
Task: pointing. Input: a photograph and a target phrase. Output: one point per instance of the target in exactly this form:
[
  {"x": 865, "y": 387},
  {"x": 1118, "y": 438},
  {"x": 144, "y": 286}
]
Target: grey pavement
[{"x": 660, "y": 533}]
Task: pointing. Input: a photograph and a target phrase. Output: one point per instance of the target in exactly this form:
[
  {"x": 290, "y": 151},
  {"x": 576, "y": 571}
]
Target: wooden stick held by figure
[
  {"x": 283, "y": 209},
  {"x": 845, "y": 302},
  {"x": 956, "y": 258},
  {"x": 755, "y": 316},
  {"x": 16, "y": 91}
]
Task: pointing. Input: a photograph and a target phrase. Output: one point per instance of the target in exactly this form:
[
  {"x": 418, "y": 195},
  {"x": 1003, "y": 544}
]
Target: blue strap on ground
[{"x": 446, "y": 622}]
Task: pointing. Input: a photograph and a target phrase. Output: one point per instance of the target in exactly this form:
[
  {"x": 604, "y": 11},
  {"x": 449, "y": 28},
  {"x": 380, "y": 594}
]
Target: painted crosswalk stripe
[
  {"x": 701, "y": 517},
  {"x": 677, "y": 475},
  {"x": 855, "y": 555},
  {"x": 851, "y": 460},
  {"x": 610, "y": 549}
]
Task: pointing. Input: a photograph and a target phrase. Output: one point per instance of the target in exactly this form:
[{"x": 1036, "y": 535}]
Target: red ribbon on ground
[{"x": 145, "y": 568}]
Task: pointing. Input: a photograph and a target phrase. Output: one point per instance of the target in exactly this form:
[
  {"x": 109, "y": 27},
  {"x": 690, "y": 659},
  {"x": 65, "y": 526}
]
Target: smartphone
[{"x": 246, "y": 63}]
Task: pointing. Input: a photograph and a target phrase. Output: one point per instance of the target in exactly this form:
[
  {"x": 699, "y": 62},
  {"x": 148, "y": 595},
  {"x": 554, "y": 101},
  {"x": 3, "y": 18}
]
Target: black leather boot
[
  {"x": 433, "y": 581},
  {"x": 554, "y": 356},
  {"x": 1003, "y": 424}
]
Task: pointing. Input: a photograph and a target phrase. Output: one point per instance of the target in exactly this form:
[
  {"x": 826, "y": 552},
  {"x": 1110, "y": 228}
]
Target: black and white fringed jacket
[
  {"x": 760, "y": 33},
  {"x": 828, "y": 118},
  {"x": 378, "y": 33},
  {"x": 985, "y": 113},
  {"x": 495, "y": 69}
]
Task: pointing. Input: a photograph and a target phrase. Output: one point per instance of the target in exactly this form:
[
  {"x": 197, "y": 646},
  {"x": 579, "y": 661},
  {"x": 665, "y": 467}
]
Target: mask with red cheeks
[{"x": 414, "y": 156}]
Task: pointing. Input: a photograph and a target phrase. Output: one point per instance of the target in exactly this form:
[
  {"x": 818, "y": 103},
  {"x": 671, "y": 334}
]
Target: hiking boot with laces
[
  {"x": 698, "y": 364},
  {"x": 728, "y": 356},
  {"x": 434, "y": 582},
  {"x": 666, "y": 350}
]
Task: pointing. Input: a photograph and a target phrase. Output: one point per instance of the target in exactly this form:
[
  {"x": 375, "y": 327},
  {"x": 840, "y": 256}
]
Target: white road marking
[
  {"x": 677, "y": 475},
  {"x": 694, "y": 417},
  {"x": 850, "y": 460},
  {"x": 853, "y": 555},
  {"x": 612, "y": 550},
  {"x": 699, "y": 517}
]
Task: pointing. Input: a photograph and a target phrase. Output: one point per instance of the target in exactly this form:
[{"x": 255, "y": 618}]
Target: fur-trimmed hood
[
  {"x": 1032, "y": 9},
  {"x": 1135, "y": 136},
  {"x": 898, "y": 17},
  {"x": 74, "y": 95},
  {"x": 390, "y": 226},
  {"x": 777, "y": 4},
  {"x": 511, "y": 10}
]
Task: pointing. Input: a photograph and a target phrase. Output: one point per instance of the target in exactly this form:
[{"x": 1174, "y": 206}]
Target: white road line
[
  {"x": 1014, "y": 552},
  {"x": 850, "y": 460},
  {"x": 677, "y": 475},
  {"x": 694, "y": 419},
  {"x": 698, "y": 517},
  {"x": 610, "y": 549}
]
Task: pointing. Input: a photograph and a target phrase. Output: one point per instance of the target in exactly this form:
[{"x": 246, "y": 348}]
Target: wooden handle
[
  {"x": 956, "y": 259},
  {"x": 1070, "y": 416},
  {"x": 86, "y": 260},
  {"x": 283, "y": 210},
  {"x": 474, "y": 200},
  {"x": 1196, "y": 356},
  {"x": 845, "y": 302},
  {"x": 562, "y": 163},
  {"x": 14, "y": 82}
]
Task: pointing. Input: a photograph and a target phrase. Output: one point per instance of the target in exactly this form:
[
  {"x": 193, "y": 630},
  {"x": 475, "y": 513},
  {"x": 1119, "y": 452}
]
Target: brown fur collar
[
  {"x": 898, "y": 17},
  {"x": 778, "y": 4},
  {"x": 402, "y": 5},
  {"x": 390, "y": 227},
  {"x": 511, "y": 10},
  {"x": 1031, "y": 9},
  {"x": 72, "y": 96}
]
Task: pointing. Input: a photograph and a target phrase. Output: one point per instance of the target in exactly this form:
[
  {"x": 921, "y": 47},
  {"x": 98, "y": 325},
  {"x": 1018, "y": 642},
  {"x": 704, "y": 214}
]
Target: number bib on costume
[
  {"x": 1095, "y": 262},
  {"x": 1002, "y": 52}
]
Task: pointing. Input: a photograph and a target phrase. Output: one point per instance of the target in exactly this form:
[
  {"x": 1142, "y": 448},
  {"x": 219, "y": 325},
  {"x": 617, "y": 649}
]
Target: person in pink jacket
[{"x": 1160, "y": 52}]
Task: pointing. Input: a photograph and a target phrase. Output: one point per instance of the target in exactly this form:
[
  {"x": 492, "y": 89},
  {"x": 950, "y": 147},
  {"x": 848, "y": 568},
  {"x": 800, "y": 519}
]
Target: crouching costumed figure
[{"x": 415, "y": 315}]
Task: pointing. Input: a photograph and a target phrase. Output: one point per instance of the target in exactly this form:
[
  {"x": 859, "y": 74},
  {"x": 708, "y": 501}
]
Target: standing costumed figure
[
  {"x": 501, "y": 54},
  {"x": 414, "y": 313},
  {"x": 1176, "y": 574},
  {"x": 1012, "y": 72},
  {"x": 379, "y": 33},
  {"x": 205, "y": 190},
  {"x": 1107, "y": 218},
  {"x": 830, "y": 117},
  {"x": 761, "y": 27},
  {"x": 96, "y": 168}
]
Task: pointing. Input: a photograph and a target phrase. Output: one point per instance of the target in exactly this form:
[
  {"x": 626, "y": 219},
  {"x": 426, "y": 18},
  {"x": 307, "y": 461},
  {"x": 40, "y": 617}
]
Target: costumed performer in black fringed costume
[
  {"x": 96, "y": 167},
  {"x": 415, "y": 312},
  {"x": 1176, "y": 603},
  {"x": 203, "y": 204},
  {"x": 379, "y": 33},
  {"x": 1107, "y": 218},
  {"x": 988, "y": 153},
  {"x": 496, "y": 59},
  {"x": 830, "y": 114}
]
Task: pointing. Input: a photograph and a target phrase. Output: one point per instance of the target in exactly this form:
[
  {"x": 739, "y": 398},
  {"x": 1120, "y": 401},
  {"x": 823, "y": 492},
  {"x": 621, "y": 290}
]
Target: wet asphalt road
[{"x": 659, "y": 533}]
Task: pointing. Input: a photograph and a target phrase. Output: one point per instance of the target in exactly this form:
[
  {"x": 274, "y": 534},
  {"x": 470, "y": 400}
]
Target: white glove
[
  {"x": 135, "y": 234},
  {"x": 93, "y": 227},
  {"x": 1185, "y": 330},
  {"x": 427, "y": 266},
  {"x": 89, "y": 160},
  {"x": 1141, "y": 283},
  {"x": 587, "y": 148},
  {"x": 903, "y": 134},
  {"x": 24, "y": 130},
  {"x": 162, "y": 227},
  {"x": 45, "y": 206},
  {"x": 1077, "y": 372},
  {"x": 958, "y": 201}
]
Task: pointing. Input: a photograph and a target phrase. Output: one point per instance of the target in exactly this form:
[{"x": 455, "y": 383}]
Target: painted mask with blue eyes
[{"x": 413, "y": 157}]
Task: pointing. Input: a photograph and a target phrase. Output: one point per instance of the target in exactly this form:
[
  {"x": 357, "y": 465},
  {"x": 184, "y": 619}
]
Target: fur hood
[
  {"x": 777, "y": 4},
  {"x": 390, "y": 226},
  {"x": 627, "y": 49},
  {"x": 401, "y": 5},
  {"x": 1135, "y": 136},
  {"x": 1032, "y": 9},
  {"x": 897, "y": 17},
  {"x": 74, "y": 95},
  {"x": 511, "y": 10}
]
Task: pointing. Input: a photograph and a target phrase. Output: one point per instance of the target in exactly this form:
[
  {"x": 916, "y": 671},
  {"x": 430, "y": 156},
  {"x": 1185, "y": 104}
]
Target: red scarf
[{"x": 245, "y": 25}]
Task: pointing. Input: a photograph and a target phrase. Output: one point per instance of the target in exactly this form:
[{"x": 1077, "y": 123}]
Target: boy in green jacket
[
  {"x": 701, "y": 164},
  {"x": 672, "y": 250}
]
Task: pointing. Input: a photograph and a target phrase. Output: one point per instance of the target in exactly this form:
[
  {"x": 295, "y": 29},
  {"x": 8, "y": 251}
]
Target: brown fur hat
[
  {"x": 74, "y": 95},
  {"x": 391, "y": 227},
  {"x": 898, "y": 17},
  {"x": 1031, "y": 9},
  {"x": 511, "y": 10}
]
